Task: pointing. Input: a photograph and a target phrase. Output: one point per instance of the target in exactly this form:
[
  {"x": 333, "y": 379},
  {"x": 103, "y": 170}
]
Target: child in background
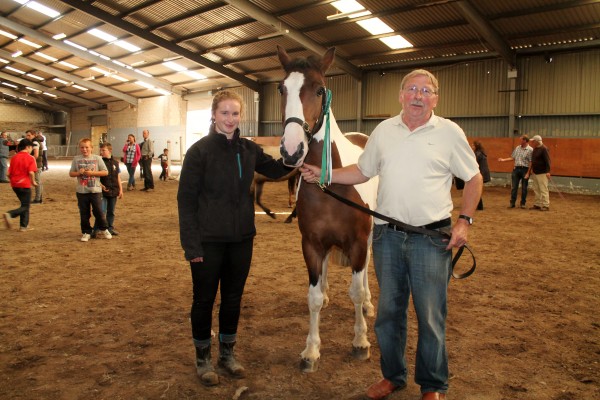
[
  {"x": 22, "y": 176},
  {"x": 111, "y": 189},
  {"x": 164, "y": 163},
  {"x": 88, "y": 168}
]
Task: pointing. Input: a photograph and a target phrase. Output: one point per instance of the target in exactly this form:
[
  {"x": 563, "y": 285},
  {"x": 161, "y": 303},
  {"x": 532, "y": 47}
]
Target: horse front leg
[
  {"x": 311, "y": 354},
  {"x": 367, "y": 307},
  {"x": 360, "y": 344}
]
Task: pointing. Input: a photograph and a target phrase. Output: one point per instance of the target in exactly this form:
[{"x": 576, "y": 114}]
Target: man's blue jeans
[{"x": 421, "y": 265}]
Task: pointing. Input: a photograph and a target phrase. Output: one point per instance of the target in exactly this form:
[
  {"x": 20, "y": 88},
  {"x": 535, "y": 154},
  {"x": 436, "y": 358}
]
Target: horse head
[{"x": 303, "y": 102}]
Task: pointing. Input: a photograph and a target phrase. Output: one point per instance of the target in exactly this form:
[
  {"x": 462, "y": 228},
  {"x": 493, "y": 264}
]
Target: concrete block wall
[{"x": 17, "y": 118}]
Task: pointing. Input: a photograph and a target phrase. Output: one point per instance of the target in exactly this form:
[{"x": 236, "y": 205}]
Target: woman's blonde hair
[{"x": 223, "y": 95}]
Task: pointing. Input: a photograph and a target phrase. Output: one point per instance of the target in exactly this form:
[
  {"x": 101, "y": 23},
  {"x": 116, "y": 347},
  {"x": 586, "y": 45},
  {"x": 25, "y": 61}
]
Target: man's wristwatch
[{"x": 466, "y": 217}]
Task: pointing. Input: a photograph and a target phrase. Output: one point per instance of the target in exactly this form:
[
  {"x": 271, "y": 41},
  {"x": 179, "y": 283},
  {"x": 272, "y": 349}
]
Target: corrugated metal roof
[{"x": 220, "y": 39}]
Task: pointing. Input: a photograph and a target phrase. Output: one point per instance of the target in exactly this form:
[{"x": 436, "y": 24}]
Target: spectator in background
[
  {"x": 37, "y": 154},
  {"x": 540, "y": 174},
  {"x": 111, "y": 189},
  {"x": 484, "y": 169},
  {"x": 4, "y": 152},
  {"x": 44, "y": 144},
  {"x": 521, "y": 155},
  {"x": 22, "y": 177},
  {"x": 147, "y": 155},
  {"x": 131, "y": 157}
]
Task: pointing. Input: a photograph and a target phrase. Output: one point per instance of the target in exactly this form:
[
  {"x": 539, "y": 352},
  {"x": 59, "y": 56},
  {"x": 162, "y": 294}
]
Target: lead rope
[{"x": 326, "y": 163}]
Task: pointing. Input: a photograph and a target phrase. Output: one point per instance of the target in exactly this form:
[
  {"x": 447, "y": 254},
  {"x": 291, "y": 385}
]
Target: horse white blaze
[
  {"x": 293, "y": 133},
  {"x": 313, "y": 340}
]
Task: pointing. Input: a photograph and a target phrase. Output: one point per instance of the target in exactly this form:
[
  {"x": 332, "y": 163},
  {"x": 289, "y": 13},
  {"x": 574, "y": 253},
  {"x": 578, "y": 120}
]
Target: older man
[
  {"x": 540, "y": 174},
  {"x": 4, "y": 152},
  {"x": 415, "y": 154},
  {"x": 146, "y": 162}
]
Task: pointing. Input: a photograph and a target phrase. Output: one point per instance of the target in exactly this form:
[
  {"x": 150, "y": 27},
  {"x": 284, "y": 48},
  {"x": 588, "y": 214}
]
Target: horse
[
  {"x": 260, "y": 180},
  {"x": 329, "y": 228}
]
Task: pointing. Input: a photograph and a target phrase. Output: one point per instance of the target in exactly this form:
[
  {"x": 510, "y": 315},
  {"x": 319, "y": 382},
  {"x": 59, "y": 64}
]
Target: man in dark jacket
[{"x": 540, "y": 174}]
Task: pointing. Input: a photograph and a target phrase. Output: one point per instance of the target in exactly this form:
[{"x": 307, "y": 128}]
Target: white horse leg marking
[
  {"x": 311, "y": 353},
  {"x": 368, "y": 308},
  {"x": 360, "y": 344}
]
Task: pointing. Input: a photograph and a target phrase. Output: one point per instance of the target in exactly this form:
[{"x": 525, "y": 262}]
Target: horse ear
[
  {"x": 327, "y": 59},
  {"x": 284, "y": 58}
]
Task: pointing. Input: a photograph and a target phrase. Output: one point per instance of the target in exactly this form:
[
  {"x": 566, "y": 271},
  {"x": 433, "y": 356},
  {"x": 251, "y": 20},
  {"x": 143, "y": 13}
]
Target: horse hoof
[
  {"x": 361, "y": 353},
  {"x": 309, "y": 365}
]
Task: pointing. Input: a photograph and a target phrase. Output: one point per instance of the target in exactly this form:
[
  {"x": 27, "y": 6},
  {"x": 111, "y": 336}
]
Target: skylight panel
[
  {"x": 375, "y": 26},
  {"x": 347, "y": 6},
  {"x": 29, "y": 43},
  {"x": 119, "y": 78},
  {"x": 66, "y": 64},
  {"x": 77, "y": 46},
  {"x": 2, "y": 60},
  {"x": 102, "y": 35},
  {"x": 39, "y": 78},
  {"x": 127, "y": 46},
  {"x": 46, "y": 56},
  {"x": 59, "y": 36},
  {"x": 7, "y": 34},
  {"x": 174, "y": 66},
  {"x": 18, "y": 71},
  {"x": 195, "y": 75}
]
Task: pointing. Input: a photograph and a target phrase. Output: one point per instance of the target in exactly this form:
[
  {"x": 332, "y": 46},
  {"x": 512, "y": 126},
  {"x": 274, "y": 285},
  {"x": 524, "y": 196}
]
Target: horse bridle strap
[{"x": 410, "y": 228}]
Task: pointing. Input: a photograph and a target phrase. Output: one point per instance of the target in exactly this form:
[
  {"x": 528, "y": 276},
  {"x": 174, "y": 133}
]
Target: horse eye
[{"x": 321, "y": 91}]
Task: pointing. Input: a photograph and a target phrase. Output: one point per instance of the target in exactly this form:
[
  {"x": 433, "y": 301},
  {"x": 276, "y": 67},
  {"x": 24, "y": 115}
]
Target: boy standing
[
  {"x": 164, "y": 163},
  {"x": 88, "y": 168},
  {"x": 111, "y": 188},
  {"x": 22, "y": 176}
]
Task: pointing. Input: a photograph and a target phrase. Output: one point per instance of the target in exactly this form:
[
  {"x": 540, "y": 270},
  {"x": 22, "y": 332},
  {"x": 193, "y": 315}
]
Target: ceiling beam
[
  {"x": 84, "y": 54},
  {"x": 158, "y": 41},
  {"x": 268, "y": 19},
  {"x": 70, "y": 77},
  {"x": 485, "y": 29},
  {"x": 34, "y": 100},
  {"x": 43, "y": 88}
]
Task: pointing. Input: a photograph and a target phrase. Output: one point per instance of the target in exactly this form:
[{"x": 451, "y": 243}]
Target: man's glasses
[{"x": 425, "y": 91}]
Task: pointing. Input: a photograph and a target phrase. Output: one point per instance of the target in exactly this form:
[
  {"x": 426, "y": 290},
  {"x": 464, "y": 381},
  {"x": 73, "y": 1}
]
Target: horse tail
[{"x": 338, "y": 257}]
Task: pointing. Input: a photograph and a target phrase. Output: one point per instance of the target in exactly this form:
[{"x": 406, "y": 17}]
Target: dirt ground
[{"x": 108, "y": 319}]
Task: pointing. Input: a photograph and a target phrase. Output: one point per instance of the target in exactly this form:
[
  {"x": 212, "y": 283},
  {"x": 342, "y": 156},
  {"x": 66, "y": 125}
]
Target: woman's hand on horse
[{"x": 310, "y": 173}]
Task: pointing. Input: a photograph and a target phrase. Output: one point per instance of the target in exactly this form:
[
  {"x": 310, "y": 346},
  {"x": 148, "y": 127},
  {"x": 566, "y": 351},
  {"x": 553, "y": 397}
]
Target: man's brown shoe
[
  {"x": 382, "y": 389},
  {"x": 433, "y": 396},
  {"x": 535, "y": 207}
]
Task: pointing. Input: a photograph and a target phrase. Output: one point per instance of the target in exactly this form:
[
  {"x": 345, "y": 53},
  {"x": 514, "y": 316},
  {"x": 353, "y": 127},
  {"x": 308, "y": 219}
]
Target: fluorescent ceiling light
[
  {"x": 195, "y": 75},
  {"x": 8, "y": 35},
  {"x": 46, "y": 56},
  {"x": 32, "y": 89},
  {"x": 50, "y": 94},
  {"x": 39, "y": 78},
  {"x": 18, "y": 71},
  {"x": 396, "y": 42},
  {"x": 352, "y": 14},
  {"x": 2, "y": 60},
  {"x": 347, "y": 6},
  {"x": 43, "y": 9},
  {"x": 60, "y": 81},
  {"x": 127, "y": 46},
  {"x": 80, "y": 87},
  {"x": 135, "y": 64},
  {"x": 16, "y": 54},
  {"x": 119, "y": 78},
  {"x": 59, "y": 36},
  {"x": 75, "y": 45},
  {"x": 30, "y": 43},
  {"x": 119, "y": 63},
  {"x": 102, "y": 35},
  {"x": 66, "y": 64},
  {"x": 274, "y": 34},
  {"x": 174, "y": 66},
  {"x": 10, "y": 85},
  {"x": 144, "y": 84},
  {"x": 375, "y": 26}
]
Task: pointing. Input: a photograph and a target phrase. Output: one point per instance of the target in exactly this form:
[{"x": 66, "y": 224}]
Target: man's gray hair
[{"x": 421, "y": 72}]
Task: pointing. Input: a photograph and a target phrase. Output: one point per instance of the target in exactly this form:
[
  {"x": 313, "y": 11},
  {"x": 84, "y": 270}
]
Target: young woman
[
  {"x": 216, "y": 221},
  {"x": 131, "y": 157}
]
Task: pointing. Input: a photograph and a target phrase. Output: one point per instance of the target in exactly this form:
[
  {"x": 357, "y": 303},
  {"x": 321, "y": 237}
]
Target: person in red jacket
[{"x": 22, "y": 176}]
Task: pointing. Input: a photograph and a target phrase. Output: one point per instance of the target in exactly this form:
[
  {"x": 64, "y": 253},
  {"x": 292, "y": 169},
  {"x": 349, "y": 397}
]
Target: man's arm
[{"x": 349, "y": 175}]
